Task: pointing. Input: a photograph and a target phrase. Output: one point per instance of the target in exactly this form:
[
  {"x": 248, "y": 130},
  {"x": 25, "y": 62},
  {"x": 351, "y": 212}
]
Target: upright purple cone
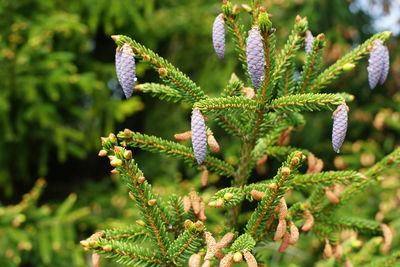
[
  {"x": 378, "y": 64},
  {"x": 339, "y": 126},
  {"x": 199, "y": 135},
  {"x": 126, "y": 69},
  {"x": 308, "y": 42},
  {"x": 218, "y": 35},
  {"x": 255, "y": 57}
]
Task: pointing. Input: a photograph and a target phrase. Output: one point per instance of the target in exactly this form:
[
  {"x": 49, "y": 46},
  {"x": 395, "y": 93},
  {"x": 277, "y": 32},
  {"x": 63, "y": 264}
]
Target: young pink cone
[
  {"x": 339, "y": 126},
  {"x": 378, "y": 64},
  {"x": 199, "y": 135},
  {"x": 308, "y": 42},
  {"x": 218, "y": 35},
  {"x": 126, "y": 69},
  {"x": 255, "y": 57}
]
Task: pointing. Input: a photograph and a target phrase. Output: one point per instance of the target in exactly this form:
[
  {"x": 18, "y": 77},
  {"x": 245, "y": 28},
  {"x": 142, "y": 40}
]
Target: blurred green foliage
[{"x": 58, "y": 94}]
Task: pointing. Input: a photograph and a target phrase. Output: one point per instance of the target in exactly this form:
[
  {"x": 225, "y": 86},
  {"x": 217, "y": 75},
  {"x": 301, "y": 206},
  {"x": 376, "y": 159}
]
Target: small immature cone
[
  {"x": 283, "y": 210},
  {"x": 183, "y": 136},
  {"x": 337, "y": 251},
  {"x": 195, "y": 260},
  {"x": 226, "y": 261},
  {"x": 378, "y": 64},
  {"x": 211, "y": 246},
  {"x": 308, "y": 42},
  {"x": 126, "y": 68},
  {"x": 388, "y": 237},
  {"x": 315, "y": 165},
  {"x": 206, "y": 263},
  {"x": 294, "y": 233},
  {"x": 328, "y": 252},
  {"x": 255, "y": 57},
  {"x": 195, "y": 199},
  {"x": 95, "y": 260},
  {"x": 225, "y": 240},
  {"x": 262, "y": 160},
  {"x": 201, "y": 214},
  {"x": 218, "y": 35},
  {"x": 285, "y": 242},
  {"x": 212, "y": 142},
  {"x": 339, "y": 128},
  {"x": 187, "y": 203},
  {"x": 309, "y": 221},
  {"x": 248, "y": 92},
  {"x": 331, "y": 196},
  {"x": 204, "y": 176},
  {"x": 199, "y": 135},
  {"x": 257, "y": 195},
  {"x": 280, "y": 230},
  {"x": 250, "y": 259}
]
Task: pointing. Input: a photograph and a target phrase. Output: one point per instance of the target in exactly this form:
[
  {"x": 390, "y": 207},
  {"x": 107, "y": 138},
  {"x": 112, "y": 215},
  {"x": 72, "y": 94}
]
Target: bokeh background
[{"x": 59, "y": 94}]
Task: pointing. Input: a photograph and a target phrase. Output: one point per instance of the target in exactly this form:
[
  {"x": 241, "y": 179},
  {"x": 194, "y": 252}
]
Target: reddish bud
[
  {"x": 183, "y": 136},
  {"x": 107, "y": 248},
  {"x": 128, "y": 154},
  {"x": 286, "y": 171},
  {"x": 152, "y": 202},
  {"x": 237, "y": 257},
  {"x": 103, "y": 153},
  {"x": 162, "y": 72},
  {"x": 257, "y": 195}
]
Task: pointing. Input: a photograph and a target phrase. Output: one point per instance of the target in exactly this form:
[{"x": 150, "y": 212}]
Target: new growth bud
[{"x": 264, "y": 22}]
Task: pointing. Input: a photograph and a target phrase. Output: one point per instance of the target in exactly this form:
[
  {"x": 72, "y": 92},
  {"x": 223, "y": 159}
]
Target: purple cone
[
  {"x": 339, "y": 127},
  {"x": 199, "y": 135},
  {"x": 308, "y": 42},
  {"x": 255, "y": 57},
  {"x": 385, "y": 64},
  {"x": 378, "y": 64},
  {"x": 126, "y": 69},
  {"x": 218, "y": 35}
]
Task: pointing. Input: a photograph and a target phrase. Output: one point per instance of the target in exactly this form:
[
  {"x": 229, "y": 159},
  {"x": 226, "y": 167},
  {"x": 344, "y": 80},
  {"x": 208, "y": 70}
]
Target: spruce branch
[
  {"x": 156, "y": 144},
  {"x": 282, "y": 181},
  {"x": 288, "y": 52},
  {"x": 230, "y": 124},
  {"x": 367, "y": 251},
  {"x": 142, "y": 194},
  {"x": 226, "y": 103},
  {"x": 391, "y": 160},
  {"x": 244, "y": 241},
  {"x": 306, "y": 102},
  {"x": 327, "y": 178},
  {"x": 186, "y": 244},
  {"x": 237, "y": 32},
  {"x": 392, "y": 260},
  {"x": 170, "y": 74},
  {"x": 359, "y": 225},
  {"x": 233, "y": 86},
  {"x": 312, "y": 65},
  {"x": 133, "y": 233},
  {"x": 161, "y": 91},
  {"x": 230, "y": 196},
  {"x": 128, "y": 254},
  {"x": 265, "y": 93},
  {"x": 332, "y": 73}
]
